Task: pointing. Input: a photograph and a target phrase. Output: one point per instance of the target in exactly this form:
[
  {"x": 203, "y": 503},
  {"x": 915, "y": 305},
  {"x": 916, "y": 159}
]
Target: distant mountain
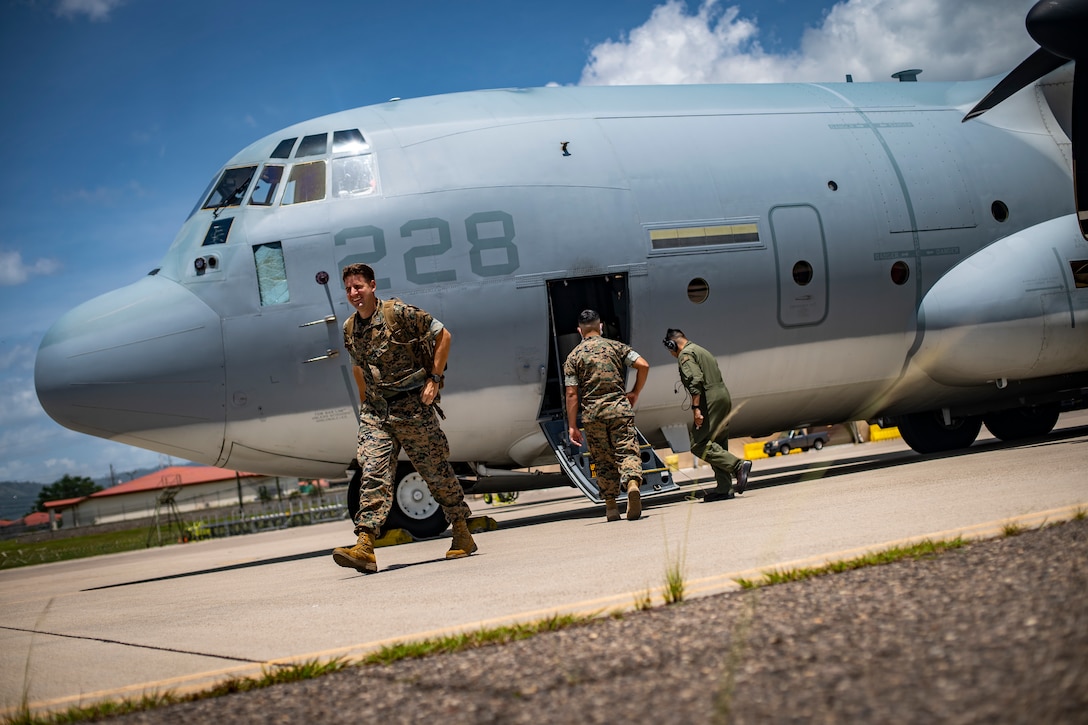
[
  {"x": 17, "y": 498},
  {"x": 125, "y": 476}
]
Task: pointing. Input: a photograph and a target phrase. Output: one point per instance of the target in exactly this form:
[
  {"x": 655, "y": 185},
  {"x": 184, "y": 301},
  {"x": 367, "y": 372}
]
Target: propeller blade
[
  {"x": 1060, "y": 28},
  {"x": 1080, "y": 144},
  {"x": 1034, "y": 67}
]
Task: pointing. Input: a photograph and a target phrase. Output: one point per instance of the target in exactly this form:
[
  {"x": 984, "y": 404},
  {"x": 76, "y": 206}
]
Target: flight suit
[
  {"x": 394, "y": 416},
  {"x": 596, "y": 368},
  {"x": 700, "y": 375}
]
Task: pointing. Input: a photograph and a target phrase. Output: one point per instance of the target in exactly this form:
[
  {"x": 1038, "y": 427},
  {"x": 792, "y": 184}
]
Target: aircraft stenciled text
[{"x": 489, "y": 234}]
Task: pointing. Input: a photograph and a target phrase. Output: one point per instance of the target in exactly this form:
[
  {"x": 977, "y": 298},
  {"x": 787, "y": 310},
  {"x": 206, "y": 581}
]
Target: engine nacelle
[{"x": 1011, "y": 311}]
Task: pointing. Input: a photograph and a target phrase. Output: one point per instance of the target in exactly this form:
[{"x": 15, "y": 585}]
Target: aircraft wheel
[
  {"x": 414, "y": 508},
  {"x": 1020, "y": 423},
  {"x": 927, "y": 432},
  {"x": 817, "y": 444}
]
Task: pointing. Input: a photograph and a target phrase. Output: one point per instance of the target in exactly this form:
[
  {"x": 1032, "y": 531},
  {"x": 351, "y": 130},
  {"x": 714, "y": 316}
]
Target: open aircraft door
[{"x": 608, "y": 295}]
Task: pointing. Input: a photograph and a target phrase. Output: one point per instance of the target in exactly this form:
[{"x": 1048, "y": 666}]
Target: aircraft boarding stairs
[{"x": 578, "y": 465}]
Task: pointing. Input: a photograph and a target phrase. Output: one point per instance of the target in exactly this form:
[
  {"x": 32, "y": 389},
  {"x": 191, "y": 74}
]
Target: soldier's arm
[
  {"x": 642, "y": 369},
  {"x": 358, "y": 373},
  {"x": 441, "y": 354},
  {"x": 573, "y": 433}
]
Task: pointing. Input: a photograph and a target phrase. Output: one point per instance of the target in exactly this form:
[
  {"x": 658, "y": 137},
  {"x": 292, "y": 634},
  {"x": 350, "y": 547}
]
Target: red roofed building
[
  {"x": 194, "y": 488},
  {"x": 36, "y": 521}
]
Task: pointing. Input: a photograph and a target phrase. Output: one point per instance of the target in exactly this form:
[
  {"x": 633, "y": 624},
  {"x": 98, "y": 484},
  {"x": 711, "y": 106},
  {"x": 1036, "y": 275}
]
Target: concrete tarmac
[{"x": 183, "y": 617}]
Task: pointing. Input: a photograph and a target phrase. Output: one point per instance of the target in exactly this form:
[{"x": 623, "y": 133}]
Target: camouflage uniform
[
  {"x": 700, "y": 375},
  {"x": 394, "y": 416},
  {"x": 596, "y": 368}
]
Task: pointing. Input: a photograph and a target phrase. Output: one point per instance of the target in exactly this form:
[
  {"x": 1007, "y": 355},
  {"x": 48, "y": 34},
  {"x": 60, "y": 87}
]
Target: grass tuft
[
  {"x": 674, "y": 582},
  {"x": 111, "y": 708},
  {"x": 921, "y": 550},
  {"x": 471, "y": 640},
  {"x": 1012, "y": 529}
]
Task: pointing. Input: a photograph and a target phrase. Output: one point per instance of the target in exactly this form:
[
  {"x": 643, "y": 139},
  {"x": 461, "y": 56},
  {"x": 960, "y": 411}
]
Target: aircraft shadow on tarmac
[{"x": 782, "y": 476}]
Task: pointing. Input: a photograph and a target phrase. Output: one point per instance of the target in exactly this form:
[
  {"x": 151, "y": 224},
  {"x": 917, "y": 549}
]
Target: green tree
[{"x": 67, "y": 487}]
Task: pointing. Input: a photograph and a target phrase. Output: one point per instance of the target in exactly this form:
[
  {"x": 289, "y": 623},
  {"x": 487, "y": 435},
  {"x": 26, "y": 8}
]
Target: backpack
[{"x": 422, "y": 347}]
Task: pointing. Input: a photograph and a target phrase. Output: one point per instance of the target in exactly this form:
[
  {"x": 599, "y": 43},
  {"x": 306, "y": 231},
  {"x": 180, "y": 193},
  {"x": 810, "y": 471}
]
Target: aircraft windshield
[
  {"x": 265, "y": 189},
  {"x": 353, "y": 176},
  {"x": 231, "y": 188},
  {"x": 348, "y": 170}
]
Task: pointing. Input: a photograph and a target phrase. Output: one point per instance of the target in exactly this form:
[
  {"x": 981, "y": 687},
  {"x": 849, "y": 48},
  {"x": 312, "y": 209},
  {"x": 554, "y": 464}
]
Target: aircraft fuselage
[{"x": 796, "y": 231}]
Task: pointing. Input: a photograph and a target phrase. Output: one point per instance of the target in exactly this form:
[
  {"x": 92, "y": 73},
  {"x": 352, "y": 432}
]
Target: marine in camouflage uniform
[
  {"x": 394, "y": 416},
  {"x": 595, "y": 369},
  {"x": 710, "y": 405},
  {"x": 397, "y": 410}
]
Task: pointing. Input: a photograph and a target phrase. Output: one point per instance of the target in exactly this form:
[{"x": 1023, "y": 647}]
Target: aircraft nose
[{"x": 142, "y": 365}]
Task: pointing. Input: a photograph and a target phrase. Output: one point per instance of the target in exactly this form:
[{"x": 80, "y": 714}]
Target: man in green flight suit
[
  {"x": 710, "y": 406},
  {"x": 596, "y": 368}
]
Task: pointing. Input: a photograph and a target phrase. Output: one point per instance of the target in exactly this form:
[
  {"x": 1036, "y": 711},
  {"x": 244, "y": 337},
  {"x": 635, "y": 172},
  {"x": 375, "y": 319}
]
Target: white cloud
[
  {"x": 869, "y": 39},
  {"x": 94, "y": 9},
  {"x": 14, "y": 271},
  {"x": 19, "y": 401}
]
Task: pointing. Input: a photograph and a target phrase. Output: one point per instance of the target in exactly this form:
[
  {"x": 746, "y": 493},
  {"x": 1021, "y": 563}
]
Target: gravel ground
[{"x": 996, "y": 632}]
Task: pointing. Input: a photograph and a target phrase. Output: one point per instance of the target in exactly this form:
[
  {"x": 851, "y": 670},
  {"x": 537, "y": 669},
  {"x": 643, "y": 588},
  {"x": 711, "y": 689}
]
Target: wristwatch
[{"x": 436, "y": 377}]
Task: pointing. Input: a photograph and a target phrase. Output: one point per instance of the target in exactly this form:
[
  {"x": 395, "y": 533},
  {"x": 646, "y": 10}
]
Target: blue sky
[{"x": 118, "y": 113}]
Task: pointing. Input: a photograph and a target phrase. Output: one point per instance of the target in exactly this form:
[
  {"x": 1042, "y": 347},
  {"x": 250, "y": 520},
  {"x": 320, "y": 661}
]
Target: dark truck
[{"x": 796, "y": 438}]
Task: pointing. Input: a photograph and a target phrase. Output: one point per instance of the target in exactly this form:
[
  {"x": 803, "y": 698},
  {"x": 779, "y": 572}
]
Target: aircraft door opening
[
  {"x": 800, "y": 257},
  {"x": 607, "y": 294}
]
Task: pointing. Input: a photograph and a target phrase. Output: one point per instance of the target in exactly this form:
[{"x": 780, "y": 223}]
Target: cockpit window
[
  {"x": 306, "y": 183},
  {"x": 231, "y": 188},
  {"x": 353, "y": 176},
  {"x": 265, "y": 189},
  {"x": 312, "y": 145},
  {"x": 283, "y": 149},
  {"x": 351, "y": 141}
]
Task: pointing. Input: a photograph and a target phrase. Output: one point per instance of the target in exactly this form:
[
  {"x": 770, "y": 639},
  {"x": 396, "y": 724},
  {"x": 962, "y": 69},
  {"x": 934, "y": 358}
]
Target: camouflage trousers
[
  {"x": 613, "y": 447},
  {"x": 711, "y": 440},
  {"x": 385, "y": 428}
]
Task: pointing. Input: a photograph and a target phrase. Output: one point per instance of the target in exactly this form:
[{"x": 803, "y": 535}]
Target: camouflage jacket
[
  {"x": 597, "y": 368},
  {"x": 392, "y": 354}
]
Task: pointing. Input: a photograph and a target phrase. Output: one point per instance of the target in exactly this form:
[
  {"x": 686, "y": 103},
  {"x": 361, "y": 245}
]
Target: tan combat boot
[
  {"x": 634, "y": 500},
  {"x": 361, "y": 556},
  {"x": 462, "y": 545},
  {"x": 611, "y": 510}
]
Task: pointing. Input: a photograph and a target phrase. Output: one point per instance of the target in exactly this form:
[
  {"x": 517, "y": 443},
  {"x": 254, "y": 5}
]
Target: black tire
[
  {"x": 414, "y": 509},
  {"x": 784, "y": 450},
  {"x": 927, "y": 432},
  {"x": 1020, "y": 423},
  {"x": 818, "y": 444}
]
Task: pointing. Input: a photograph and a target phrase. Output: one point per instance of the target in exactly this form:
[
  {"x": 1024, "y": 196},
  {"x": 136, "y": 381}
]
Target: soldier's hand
[
  {"x": 430, "y": 391},
  {"x": 698, "y": 418},
  {"x": 632, "y": 398},
  {"x": 575, "y": 436}
]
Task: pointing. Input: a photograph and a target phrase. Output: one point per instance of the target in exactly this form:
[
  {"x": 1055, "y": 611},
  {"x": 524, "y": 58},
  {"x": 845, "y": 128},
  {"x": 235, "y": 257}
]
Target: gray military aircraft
[{"x": 850, "y": 251}]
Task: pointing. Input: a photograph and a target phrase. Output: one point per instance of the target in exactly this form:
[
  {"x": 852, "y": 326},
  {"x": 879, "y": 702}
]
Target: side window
[
  {"x": 271, "y": 274},
  {"x": 348, "y": 141},
  {"x": 283, "y": 148},
  {"x": 231, "y": 188},
  {"x": 306, "y": 183},
  {"x": 312, "y": 145},
  {"x": 353, "y": 176},
  {"x": 265, "y": 189}
]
